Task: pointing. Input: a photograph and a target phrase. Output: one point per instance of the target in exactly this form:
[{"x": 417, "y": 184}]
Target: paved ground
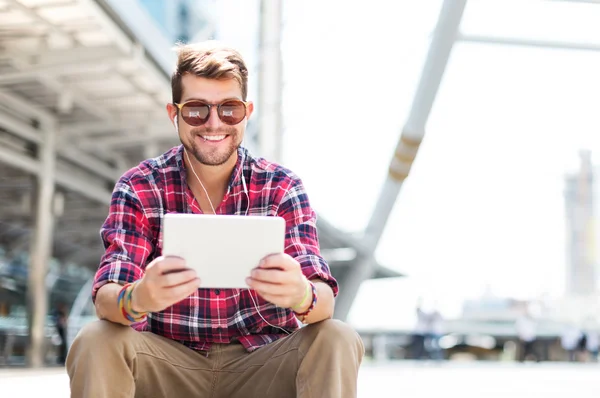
[
  {"x": 396, "y": 379},
  {"x": 477, "y": 380}
]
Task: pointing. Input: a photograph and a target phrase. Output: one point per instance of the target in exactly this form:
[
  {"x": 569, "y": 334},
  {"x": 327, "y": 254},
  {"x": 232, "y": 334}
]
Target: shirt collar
[{"x": 236, "y": 175}]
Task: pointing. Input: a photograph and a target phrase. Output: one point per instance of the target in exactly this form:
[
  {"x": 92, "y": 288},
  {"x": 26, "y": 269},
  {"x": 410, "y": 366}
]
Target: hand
[
  {"x": 167, "y": 281},
  {"x": 279, "y": 280}
]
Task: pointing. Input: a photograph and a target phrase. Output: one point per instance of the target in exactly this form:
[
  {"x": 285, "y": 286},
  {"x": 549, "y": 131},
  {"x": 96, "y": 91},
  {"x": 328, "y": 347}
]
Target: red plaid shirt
[{"x": 132, "y": 238}]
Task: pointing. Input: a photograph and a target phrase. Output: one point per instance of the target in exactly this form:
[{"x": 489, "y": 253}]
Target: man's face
[{"x": 214, "y": 142}]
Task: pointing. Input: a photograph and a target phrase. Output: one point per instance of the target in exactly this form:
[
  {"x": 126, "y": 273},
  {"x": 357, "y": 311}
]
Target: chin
[{"x": 214, "y": 159}]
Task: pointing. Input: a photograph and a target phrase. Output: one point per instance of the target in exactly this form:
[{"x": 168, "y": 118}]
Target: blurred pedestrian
[
  {"x": 570, "y": 340},
  {"x": 60, "y": 323},
  {"x": 592, "y": 344},
  {"x": 526, "y": 331},
  {"x": 435, "y": 333},
  {"x": 420, "y": 332}
]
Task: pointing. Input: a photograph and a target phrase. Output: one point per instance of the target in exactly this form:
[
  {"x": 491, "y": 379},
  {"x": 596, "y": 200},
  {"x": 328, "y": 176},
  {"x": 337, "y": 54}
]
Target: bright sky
[{"x": 484, "y": 204}]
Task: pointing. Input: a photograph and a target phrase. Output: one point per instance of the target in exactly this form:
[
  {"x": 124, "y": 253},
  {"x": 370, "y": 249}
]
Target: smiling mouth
[{"x": 213, "y": 138}]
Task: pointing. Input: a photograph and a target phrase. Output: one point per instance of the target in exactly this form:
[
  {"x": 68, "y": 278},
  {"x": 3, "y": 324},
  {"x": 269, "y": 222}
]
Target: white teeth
[{"x": 213, "y": 137}]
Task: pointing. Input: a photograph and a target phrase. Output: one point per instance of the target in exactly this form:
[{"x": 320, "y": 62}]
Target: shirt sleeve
[
  {"x": 127, "y": 239},
  {"x": 301, "y": 239}
]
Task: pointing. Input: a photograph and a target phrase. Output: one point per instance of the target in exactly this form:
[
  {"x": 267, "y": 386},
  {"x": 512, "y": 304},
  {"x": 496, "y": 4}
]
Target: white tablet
[{"x": 222, "y": 249}]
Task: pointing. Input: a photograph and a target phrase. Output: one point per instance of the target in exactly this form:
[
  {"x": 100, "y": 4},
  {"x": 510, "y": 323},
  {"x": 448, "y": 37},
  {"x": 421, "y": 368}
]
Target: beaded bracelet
[
  {"x": 124, "y": 303},
  {"x": 305, "y": 314},
  {"x": 129, "y": 301}
]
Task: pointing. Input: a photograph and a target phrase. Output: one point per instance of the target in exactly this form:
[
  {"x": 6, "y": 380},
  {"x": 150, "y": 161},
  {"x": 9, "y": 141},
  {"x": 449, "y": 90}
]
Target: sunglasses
[{"x": 196, "y": 113}]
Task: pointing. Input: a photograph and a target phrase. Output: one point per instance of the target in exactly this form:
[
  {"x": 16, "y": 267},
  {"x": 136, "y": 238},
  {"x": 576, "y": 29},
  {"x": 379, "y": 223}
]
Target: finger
[
  {"x": 268, "y": 288},
  {"x": 168, "y": 264},
  {"x": 276, "y": 260},
  {"x": 184, "y": 290},
  {"x": 176, "y": 279},
  {"x": 269, "y": 275}
]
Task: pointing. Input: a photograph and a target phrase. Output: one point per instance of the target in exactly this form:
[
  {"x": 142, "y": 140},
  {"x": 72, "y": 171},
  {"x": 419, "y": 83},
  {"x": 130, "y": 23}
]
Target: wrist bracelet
[
  {"x": 129, "y": 302},
  {"x": 124, "y": 303},
  {"x": 305, "y": 314},
  {"x": 306, "y": 294}
]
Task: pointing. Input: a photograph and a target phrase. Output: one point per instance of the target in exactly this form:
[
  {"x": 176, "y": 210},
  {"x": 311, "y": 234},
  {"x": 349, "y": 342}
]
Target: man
[
  {"x": 187, "y": 341},
  {"x": 435, "y": 331},
  {"x": 526, "y": 331},
  {"x": 420, "y": 332},
  {"x": 570, "y": 339},
  {"x": 60, "y": 322}
]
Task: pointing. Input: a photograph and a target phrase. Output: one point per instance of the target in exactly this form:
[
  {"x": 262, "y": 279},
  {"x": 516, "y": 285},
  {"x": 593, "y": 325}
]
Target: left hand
[{"x": 279, "y": 280}]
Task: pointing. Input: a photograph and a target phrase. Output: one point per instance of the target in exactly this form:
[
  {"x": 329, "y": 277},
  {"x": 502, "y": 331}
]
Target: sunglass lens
[
  {"x": 195, "y": 113},
  {"x": 232, "y": 112}
]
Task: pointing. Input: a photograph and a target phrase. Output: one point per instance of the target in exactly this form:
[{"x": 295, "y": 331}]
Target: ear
[
  {"x": 249, "y": 109},
  {"x": 172, "y": 113}
]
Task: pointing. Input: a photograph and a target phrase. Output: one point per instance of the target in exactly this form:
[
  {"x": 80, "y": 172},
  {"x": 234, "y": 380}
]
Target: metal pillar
[
  {"x": 41, "y": 249},
  {"x": 270, "y": 83},
  {"x": 535, "y": 43},
  {"x": 412, "y": 134}
]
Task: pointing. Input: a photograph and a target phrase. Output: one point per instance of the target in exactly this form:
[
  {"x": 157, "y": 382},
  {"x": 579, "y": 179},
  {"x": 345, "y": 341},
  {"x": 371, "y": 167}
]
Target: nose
[{"x": 213, "y": 121}]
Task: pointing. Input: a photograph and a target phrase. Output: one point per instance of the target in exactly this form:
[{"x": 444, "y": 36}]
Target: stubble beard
[{"x": 213, "y": 156}]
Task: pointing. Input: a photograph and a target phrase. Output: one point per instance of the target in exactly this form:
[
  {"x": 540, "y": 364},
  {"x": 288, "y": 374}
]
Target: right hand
[{"x": 167, "y": 281}]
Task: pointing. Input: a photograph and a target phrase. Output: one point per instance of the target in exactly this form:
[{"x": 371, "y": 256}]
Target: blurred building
[
  {"x": 74, "y": 72},
  {"x": 83, "y": 88},
  {"x": 581, "y": 270},
  {"x": 182, "y": 20}
]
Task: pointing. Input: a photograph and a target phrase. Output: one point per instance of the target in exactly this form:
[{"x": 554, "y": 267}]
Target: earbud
[{"x": 176, "y": 123}]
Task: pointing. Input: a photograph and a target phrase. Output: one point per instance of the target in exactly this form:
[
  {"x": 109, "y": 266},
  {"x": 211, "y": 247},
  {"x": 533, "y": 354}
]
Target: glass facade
[
  {"x": 180, "y": 20},
  {"x": 64, "y": 282}
]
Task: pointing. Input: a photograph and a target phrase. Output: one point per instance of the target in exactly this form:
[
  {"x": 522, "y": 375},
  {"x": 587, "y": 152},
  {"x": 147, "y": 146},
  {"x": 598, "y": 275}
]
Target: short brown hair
[{"x": 211, "y": 60}]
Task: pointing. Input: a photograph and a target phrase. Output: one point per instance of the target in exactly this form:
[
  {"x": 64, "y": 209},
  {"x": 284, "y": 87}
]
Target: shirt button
[
  {"x": 219, "y": 329},
  {"x": 217, "y": 291}
]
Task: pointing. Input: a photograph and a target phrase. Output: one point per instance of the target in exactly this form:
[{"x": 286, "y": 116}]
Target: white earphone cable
[
  {"x": 259, "y": 314},
  {"x": 198, "y": 178},
  {"x": 247, "y": 209}
]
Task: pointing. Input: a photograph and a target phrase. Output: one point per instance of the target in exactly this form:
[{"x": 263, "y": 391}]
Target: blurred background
[{"x": 449, "y": 148}]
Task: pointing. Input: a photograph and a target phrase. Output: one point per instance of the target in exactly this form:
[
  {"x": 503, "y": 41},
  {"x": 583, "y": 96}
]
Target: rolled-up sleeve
[
  {"x": 127, "y": 239},
  {"x": 301, "y": 239}
]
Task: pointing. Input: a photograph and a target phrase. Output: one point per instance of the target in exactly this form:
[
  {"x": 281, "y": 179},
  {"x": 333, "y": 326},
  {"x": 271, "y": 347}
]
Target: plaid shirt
[{"x": 132, "y": 238}]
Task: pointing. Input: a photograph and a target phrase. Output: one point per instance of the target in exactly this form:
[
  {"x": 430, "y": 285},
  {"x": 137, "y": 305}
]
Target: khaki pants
[{"x": 108, "y": 360}]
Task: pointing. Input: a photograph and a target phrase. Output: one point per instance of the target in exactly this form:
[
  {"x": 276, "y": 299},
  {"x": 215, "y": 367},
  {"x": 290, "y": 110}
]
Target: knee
[
  {"x": 337, "y": 335},
  {"x": 96, "y": 334}
]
